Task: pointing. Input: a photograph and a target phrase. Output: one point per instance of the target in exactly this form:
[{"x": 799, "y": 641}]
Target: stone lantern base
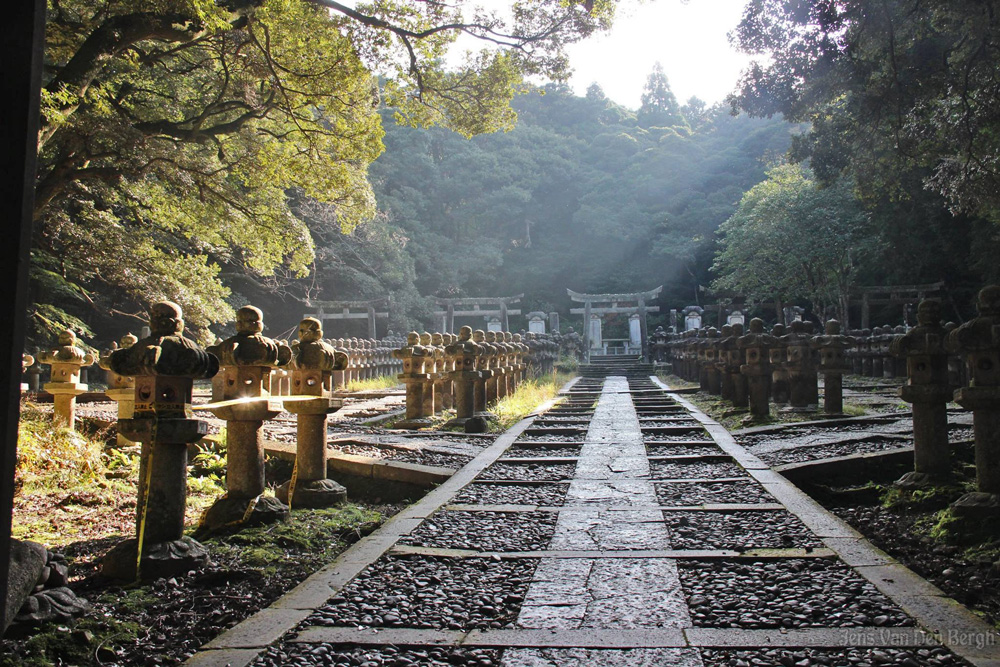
[
  {"x": 977, "y": 505},
  {"x": 238, "y": 512},
  {"x": 313, "y": 493},
  {"x": 163, "y": 559}
]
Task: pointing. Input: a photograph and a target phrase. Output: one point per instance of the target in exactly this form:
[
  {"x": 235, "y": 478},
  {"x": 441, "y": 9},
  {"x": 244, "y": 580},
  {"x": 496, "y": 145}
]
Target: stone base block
[
  {"x": 920, "y": 480},
  {"x": 164, "y": 559},
  {"x": 977, "y": 505},
  {"x": 313, "y": 493},
  {"x": 413, "y": 424},
  {"x": 237, "y": 513}
]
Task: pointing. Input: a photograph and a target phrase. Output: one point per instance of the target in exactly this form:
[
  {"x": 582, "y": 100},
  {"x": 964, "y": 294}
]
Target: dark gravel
[
  {"x": 694, "y": 469},
  {"x": 338, "y": 655},
  {"x": 789, "y": 593},
  {"x": 840, "y": 657},
  {"x": 543, "y": 495},
  {"x": 680, "y": 494},
  {"x": 405, "y": 455},
  {"x": 485, "y": 531},
  {"x": 522, "y": 450},
  {"x": 817, "y": 452},
  {"x": 540, "y": 435},
  {"x": 529, "y": 472},
  {"x": 680, "y": 448},
  {"x": 425, "y": 592},
  {"x": 775, "y": 529},
  {"x": 561, "y": 422}
]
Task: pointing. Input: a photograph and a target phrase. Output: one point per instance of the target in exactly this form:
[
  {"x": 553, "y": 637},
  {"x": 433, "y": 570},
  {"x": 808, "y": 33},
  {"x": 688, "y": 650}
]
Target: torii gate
[
  {"x": 323, "y": 309},
  {"x": 639, "y": 298},
  {"x": 452, "y": 307}
]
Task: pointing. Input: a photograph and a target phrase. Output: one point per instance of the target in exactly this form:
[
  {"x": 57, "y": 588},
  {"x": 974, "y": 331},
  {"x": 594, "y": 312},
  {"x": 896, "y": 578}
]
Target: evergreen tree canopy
[{"x": 659, "y": 106}]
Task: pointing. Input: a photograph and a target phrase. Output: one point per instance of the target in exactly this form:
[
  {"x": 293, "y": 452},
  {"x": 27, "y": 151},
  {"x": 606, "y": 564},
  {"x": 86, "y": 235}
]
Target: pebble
[{"x": 485, "y": 531}]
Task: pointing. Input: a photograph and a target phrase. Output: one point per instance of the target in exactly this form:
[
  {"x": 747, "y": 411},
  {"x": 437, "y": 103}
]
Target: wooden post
[{"x": 22, "y": 59}]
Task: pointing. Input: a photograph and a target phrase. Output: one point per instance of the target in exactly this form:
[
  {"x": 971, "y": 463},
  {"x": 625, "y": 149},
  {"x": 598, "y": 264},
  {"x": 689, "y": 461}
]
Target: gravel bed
[
  {"x": 485, "y": 531},
  {"x": 659, "y": 423},
  {"x": 674, "y": 437},
  {"x": 839, "y": 657},
  {"x": 529, "y": 472},
  {"x": 405, "y": 455},
  {"x": 680, "y": 449},
  {"x": 694, "y": 469},
  {"x": 553, "y": 435},
  {"x": 789, "y": 593},
  {"x": 816, "y": 434},
  {"x": 545, "y": 450},
  {"x": 427, "y": 592},
  {"x": 756, "y": 529},
  {"x": 712, "y": 493},
  {"x": 816, "y": 452},
  {"x": 543, "y": 495},
  {"x": 565, "y": 422},
  {"x": 338, "y": 655}
]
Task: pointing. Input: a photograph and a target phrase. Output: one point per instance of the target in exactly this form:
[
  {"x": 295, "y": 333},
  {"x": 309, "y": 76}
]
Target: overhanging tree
[{"x": 173, "y": 129}]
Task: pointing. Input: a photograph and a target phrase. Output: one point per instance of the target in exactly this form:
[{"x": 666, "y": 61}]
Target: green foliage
[
  {"x": 659, "y": 105},
  {"x": 529, "y": 395},
  {"x": 791, "y": 239},
  {"x": 52, "y": 457},
  {"x": 381, "y": 383}
]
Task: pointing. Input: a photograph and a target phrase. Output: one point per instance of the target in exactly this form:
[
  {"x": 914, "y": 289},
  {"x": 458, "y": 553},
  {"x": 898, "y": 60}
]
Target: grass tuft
[
  {"x": 529, "y": 395},
  {"x": 380, "y": 383}
]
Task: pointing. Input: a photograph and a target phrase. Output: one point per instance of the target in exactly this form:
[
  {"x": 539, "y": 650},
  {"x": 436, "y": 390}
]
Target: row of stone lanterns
[
  {"x": 754, "y": 368},
  {"x": 929, "y": 387},
  {"x": 467, "y": 372}
]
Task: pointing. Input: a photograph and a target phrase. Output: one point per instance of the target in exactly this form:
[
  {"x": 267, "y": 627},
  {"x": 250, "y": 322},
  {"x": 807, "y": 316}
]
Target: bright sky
[{"x": 687, "y": 38}]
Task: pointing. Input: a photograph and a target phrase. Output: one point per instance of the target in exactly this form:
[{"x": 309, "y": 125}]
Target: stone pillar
[
  {"x": 413, "y": 356},
  {"x": 121, "y": 388},
  {"x": 243, "y": 388},
  {"x": 465, "y": 376},
  {"x": 833, "y": 365},
  {"x": 313, "y": 365},
  {"x": 800, "y": 367},
  {"x": 878, "y": 366},
  {"x": 927, "y": 389},
  {"x": 756, "y": 346},
  {"x": 553, "y": 321},
  {"x": 978, "y": 341},
  {"x": 34, "y": 373},
  {"x": 429, "y": 365},
  {"x": 164, "y": 365},
  {"x": 740, "y": 396},
  {"x": 450, "y": 363},
  {"x": 440, "y": 373},
  {"x": 64, "y": 384}
]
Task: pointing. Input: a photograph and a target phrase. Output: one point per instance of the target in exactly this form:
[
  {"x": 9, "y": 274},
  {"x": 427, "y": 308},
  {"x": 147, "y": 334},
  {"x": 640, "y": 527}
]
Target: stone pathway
[{"x": 623, "y": 527}]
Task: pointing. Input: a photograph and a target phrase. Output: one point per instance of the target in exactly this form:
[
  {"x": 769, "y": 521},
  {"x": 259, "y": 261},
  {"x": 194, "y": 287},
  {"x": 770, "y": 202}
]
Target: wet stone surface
[
  {"x": 485, "y": 531},
  {"x": 711, "y": 493},
  {"x": 787, "y": 593},
  {"x": 831, "y": 450},
  {"x": 338, "y": 655},
  {"x": 738, "y": 530},
  {"x": 529, "y": 472},
  {"x": 695, "y": 469},
  {"x": 840, "y": 657},
  {"x": 681, "y": 449},
  {"x": 427, "y": 592},
  {"x": 543, "y": 495},
  {"x": 523, "y": 450}
]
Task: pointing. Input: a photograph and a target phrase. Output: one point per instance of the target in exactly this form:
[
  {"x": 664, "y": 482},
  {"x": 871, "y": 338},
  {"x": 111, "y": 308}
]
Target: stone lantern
[
  {"x": 726, "y": 343},
  {"x": 26, "y": 362},
  {"x": 430, "y": 368},
  {"x": 978, "y": 341},
  {"x": 485, "y": 352},
  {"x": 756, "y": 347},
  {"x": 121, "y": 388},
  {"x": 833, "y": 365},
  {"x": 313, "y": 366},
  {"x": 164, "y": 366},
  {"x": 801, "y": 370},
  {"x": 465, "y": 352},
  {"x": 64, "y": 383},
  {"x": 928, "y": 390},
  {"x": 713, "y": 383},
  {"x": 781, "y": 387},
  {"x": 519, "y": 350},
  {"x": 242, "y": 389},
  {"x": 496, "y": 368},
  {"x": 414, "y": 357}
]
